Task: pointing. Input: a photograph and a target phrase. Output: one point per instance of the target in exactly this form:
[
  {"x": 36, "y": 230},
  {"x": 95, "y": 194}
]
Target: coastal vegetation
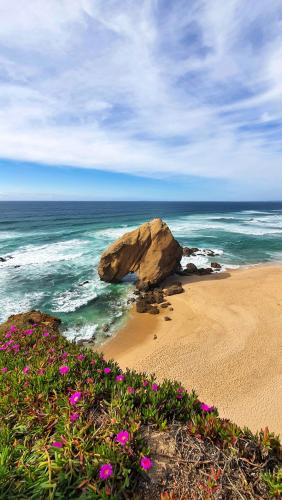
[{"x": 73, "y": 425}]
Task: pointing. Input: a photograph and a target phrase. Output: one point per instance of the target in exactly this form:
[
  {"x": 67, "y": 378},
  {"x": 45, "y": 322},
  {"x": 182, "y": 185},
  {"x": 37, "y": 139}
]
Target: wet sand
[{"x": 224, "y": 340}]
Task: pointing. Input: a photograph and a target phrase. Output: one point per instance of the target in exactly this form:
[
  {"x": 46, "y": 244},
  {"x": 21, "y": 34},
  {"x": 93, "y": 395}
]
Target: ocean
[{"x": 55, "y": 249}]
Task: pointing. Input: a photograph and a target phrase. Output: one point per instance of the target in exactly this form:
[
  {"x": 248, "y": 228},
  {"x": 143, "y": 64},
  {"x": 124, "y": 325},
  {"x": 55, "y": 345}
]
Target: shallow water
[{"x": 57, "y": 246}]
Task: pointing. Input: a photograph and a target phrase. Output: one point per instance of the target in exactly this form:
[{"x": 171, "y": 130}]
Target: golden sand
[{"x": 224, "y": 340}]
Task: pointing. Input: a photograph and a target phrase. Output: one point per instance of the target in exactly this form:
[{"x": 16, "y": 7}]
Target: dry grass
[{"x": 191, "y": 468}]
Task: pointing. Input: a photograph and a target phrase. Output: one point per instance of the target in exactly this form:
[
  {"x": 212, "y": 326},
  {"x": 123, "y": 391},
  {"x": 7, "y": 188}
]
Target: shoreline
[{"x": 224, "y": 340}]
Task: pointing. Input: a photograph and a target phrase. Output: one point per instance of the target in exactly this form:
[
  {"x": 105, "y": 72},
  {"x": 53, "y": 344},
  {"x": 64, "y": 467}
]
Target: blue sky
[{"x": 147, "y": 99}]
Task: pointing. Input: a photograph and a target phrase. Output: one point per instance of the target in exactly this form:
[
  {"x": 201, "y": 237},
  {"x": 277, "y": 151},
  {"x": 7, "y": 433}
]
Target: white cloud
[{"x": 150, "y": 87}]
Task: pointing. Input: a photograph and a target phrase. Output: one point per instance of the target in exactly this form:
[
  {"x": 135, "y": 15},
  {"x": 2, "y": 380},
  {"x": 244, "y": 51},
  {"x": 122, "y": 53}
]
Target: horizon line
[{"x": 140, "y": 201}]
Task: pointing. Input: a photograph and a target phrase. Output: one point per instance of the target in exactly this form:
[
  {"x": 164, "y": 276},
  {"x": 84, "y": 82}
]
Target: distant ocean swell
[{"x": 55, "y": 250}]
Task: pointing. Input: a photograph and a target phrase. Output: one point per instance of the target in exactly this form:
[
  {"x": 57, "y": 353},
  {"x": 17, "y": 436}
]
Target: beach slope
[{"x": 224, "y": 340}]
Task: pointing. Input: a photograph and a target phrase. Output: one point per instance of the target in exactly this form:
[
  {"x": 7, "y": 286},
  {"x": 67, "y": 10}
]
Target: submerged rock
[
  {"x": 189, "y": 251},
  {"x": 150, "y": 251},
  {"x": 83, "y": 283},
  {"x": 4, "y": 259}
]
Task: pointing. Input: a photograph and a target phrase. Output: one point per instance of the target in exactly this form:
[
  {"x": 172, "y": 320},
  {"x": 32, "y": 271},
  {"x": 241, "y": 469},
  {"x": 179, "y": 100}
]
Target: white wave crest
[
  {"x": 44, "y": 254},
  {"x": 19, "y": 303},
  {"x": 84, "y": 332}
]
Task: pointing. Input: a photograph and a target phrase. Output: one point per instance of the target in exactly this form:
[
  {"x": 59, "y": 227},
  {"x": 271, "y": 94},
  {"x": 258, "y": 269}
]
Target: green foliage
[
  {"x": 274, "y": 482},
  {"x": 53, "y": 447}
]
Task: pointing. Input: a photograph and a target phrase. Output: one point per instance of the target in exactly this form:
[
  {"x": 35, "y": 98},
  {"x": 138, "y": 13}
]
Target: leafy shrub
[{"x": 71, "y": 423}]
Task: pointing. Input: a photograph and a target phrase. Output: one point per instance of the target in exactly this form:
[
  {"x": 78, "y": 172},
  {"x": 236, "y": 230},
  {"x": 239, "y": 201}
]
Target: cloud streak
[{"x": 153, "y": 88}]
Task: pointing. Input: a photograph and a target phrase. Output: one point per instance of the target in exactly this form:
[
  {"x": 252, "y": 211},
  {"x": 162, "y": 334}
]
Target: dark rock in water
[
  {"x": 131, "y": 300},
  {"x": 4, "y": 259},
  {"x": 82, "y": 342},
  {"x": 83, "y": 283},
  {"x": 167, "y": 318},
  {"x": 189, "y": 251},
  {"x": 150, "y": 251},
  {"x": 137, "y": 292},
  {"x": 204, "y": 270},
  {"x": 105, "y": 328},
  {"x": 174, "y": 289},
  {"x": 211, "y": 253},
  {"x": 191, "y": 268},
  {"x": 216, "y": 265},
  {"x": 16, "y": 267}
]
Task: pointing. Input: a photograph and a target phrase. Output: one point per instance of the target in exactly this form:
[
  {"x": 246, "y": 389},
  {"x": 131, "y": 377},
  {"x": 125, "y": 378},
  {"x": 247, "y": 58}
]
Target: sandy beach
[{"x": 224, "y": 340}]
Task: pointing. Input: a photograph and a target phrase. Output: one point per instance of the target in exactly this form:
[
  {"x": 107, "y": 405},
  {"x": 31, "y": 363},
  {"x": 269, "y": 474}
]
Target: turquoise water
[{"x": 55, "y": 248}]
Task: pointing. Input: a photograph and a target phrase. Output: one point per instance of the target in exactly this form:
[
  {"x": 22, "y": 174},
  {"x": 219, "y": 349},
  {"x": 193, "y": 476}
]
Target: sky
[{"x": 140, "y": 100}]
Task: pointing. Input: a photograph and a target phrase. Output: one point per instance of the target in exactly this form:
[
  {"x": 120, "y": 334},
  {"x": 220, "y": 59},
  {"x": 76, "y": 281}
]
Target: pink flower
[
  {"x": 28, "y": 332},
  {"x": 65, "y": 355},
  {"x": 146, "y": 463},
  {"x": 105, "y": 471},
  {"x": 13, "y": 328},
  {"x": 145, "y": 383},
  {"x": 8, "y": 335},
  {"x": 119, "y": 378},
  {"x": 107, "y": 370},
  {"x": 4, "y": 370},
  {"x": 46, "y": 334},
  {"x": 93, "y": 362},
  {"x": 81, "y": 357},
  {"x": 130, "y": 390},
  {"x": 57, "y": 444},
  {"x": 122, "y": 437},
  {"x": 74, "y": 417},
  {"x": 64, "y": 370},
  {"x": 75, "y": 397},
  {"x": 26, "y": 369},
  {"x": 40, "y": 371},
  {"x": 179, "y": 394},
  {"x": 155, "y": 387},
  {"x": 206, "y": 408}
]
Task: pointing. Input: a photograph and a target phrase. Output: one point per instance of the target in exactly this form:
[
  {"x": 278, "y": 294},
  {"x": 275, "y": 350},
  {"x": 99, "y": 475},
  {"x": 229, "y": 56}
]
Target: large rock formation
[{"x": 150, "y": 251}]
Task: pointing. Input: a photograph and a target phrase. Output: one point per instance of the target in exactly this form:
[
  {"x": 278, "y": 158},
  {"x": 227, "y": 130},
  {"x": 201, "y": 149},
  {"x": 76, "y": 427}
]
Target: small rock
[
  {"x": 4, "y": 259},
  {"x": 153, "y": 310},
  {"x": 171, "y": 309},
  {"x": 83, "y": 283},
  {"x": 141, "y": 306},
  {"x": 155, "y": 337},
  {"x": 202, "y": 271},
  {"x": 167, "y": 318},
  {"x": 82, "y": 341},
  {"x": 174, "y": 289},
  {"x": 189, "y": 251},
  {"x": 215, "y": 265},
  {"x": 164, "y": 305},
  {"x": 191, "y": 268}
]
